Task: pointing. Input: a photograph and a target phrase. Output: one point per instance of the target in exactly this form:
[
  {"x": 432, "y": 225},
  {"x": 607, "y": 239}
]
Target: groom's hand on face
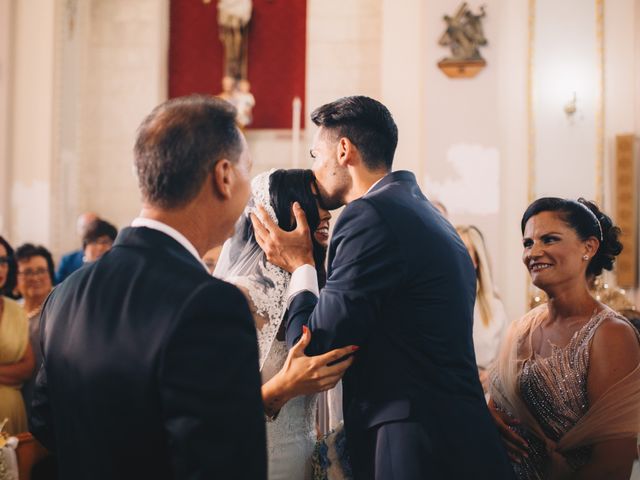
[{"x": 287, "y": 250}]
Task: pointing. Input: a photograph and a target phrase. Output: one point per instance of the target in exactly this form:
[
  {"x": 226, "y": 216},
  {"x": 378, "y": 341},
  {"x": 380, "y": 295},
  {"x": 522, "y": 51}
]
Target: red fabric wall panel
[{"x": 277, "y": 48}]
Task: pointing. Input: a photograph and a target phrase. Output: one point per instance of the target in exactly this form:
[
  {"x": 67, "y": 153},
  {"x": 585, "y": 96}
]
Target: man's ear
[
  {"x": 346, "y": 152},
  {"x": 222, "y": 178}
]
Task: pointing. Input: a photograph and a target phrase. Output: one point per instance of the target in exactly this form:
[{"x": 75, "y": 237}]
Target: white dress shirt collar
[
  {"x": 377, "y": 182},
  {"x": 170, "y": 231}
]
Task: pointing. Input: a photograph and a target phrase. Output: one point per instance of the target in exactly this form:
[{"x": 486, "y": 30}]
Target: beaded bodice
[{"x": 554, "y": 388}]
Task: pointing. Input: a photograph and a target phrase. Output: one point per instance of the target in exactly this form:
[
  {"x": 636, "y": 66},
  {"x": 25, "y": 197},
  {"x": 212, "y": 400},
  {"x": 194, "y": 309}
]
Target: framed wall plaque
[{"x": 626, "y": 209}]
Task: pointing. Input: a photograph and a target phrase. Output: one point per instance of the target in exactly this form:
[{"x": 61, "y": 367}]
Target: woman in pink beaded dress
[{"x": 565, "y": 390}]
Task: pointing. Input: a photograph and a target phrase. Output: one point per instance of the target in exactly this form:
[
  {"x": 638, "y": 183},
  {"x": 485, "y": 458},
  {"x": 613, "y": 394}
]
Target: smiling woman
[
  {"x": 564, "y": 225},
  {"x": 35, "y": 282},
  {"x": 16, "y": 356},
  {"x": 566, "y": 386}
]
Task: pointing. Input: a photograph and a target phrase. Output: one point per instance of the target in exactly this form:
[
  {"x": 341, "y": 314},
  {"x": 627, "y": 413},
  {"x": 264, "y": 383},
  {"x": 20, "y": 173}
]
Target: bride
[{"x": 291, "y": 380}]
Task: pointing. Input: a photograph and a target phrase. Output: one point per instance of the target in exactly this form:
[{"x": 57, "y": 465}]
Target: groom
[{"x": 401, "y": 286}]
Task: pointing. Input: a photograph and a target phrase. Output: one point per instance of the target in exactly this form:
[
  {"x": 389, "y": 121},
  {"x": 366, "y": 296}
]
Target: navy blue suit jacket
[
  {"x": 401, "y": 285},
  {"x": 150, "y": 369},
  {"x": 68, "y": 264}
]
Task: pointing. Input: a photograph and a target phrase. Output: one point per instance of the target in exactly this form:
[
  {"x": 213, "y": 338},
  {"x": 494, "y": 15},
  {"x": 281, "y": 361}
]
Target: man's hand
[{"x": 287, "y": 250}]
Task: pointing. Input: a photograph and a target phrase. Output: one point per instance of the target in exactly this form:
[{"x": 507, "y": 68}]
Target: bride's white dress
[{"x": 292, "y": 435}]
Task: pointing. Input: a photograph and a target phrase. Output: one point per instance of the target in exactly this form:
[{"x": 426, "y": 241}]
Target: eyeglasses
[
  {"x": 4, "y": 260},
  {"x": 28, "y": 273}
]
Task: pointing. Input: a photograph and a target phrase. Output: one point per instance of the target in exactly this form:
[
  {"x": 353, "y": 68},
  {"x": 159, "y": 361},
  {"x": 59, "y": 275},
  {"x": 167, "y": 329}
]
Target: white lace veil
[{"x": 243, "y": 263}]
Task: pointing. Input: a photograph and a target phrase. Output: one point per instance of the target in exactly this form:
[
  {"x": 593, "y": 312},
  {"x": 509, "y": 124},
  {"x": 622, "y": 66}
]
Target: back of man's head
[
  {"x": 83, "y": 221},
  {"x": 367, "y": 124},
  {"x": 179, "y": 143}
]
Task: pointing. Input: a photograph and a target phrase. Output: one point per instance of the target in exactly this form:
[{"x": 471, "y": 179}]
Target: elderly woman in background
[
  {"x": 98, "y": 239},
  {"x": 489, "y": 317},
  {"x": 35, "y": 282},
  {"x": 565, "y": 389},
  {"x": 16, "y": 355}
]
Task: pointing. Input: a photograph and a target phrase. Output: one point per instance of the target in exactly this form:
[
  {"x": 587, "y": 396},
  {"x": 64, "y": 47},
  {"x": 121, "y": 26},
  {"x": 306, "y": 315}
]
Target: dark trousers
[{"x": 395, "y": 451}]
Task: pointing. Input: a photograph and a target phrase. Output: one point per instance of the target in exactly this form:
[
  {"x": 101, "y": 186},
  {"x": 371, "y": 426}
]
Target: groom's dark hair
[
  {"x": 179, "y": 143},
  {"x": 367, "y": 124}
]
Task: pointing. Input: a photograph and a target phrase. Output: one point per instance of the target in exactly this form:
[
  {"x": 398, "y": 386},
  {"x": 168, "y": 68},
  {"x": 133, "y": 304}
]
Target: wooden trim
[{"x": 626, "y": 209}]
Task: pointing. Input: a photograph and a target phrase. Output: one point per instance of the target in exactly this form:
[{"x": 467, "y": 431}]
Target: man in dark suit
[
  {"x": 150, "y": 364},
  {"x": 400, "y": 285},
  {"x": 72, "y": 261}
]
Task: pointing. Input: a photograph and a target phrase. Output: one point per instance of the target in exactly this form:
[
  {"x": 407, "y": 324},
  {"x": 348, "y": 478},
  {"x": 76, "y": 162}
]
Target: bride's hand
[{"x": 303, "y": 375}]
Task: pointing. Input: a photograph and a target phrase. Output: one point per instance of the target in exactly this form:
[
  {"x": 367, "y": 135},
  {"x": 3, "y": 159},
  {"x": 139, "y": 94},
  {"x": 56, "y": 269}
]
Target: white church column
[
  {"x": 512, "y": 40},
  {"x": 123, "y": 76},
  {"x": 6, "y": 43},
  {"x": 32, "y": 120},
  {"x": 402, "y": 77}
]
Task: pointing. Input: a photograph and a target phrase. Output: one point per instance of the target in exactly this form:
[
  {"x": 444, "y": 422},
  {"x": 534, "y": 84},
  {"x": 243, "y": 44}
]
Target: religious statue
[
  {"x": 238, "y": 93},
  {"x": 464, "y": 36},
  {"x": 245, "y": 102},
  {"x": 233, "y": 24}
]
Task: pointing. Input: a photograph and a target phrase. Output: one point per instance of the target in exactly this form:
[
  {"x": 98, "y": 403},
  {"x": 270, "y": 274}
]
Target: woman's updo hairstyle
[{"x": 587, "y": 220}]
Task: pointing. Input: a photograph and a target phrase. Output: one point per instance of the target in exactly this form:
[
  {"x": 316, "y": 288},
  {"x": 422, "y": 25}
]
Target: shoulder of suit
[
  {"x": 71, "y": 255},
  {"x": 218, "y": 289},
  {"x": 360, "y": 206},
  {"x": 361, "y": 214}
]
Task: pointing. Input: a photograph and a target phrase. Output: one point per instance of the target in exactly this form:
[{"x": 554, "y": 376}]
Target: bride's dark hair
[{"x": 288, "y": 186}]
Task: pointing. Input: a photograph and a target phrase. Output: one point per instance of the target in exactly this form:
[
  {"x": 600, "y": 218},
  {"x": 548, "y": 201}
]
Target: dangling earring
[{"x": 585, "y": 257}]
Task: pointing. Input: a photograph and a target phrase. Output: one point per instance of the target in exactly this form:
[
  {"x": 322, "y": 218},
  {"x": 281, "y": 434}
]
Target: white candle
[{"x": 295, "y": 132}]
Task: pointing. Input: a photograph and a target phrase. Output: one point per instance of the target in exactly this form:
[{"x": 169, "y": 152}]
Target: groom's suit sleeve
[{"x": 366, "y": 268}]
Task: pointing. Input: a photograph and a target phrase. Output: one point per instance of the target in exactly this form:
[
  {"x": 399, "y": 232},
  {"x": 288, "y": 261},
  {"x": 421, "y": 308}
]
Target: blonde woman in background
[{"x": 489, "y": 317}]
